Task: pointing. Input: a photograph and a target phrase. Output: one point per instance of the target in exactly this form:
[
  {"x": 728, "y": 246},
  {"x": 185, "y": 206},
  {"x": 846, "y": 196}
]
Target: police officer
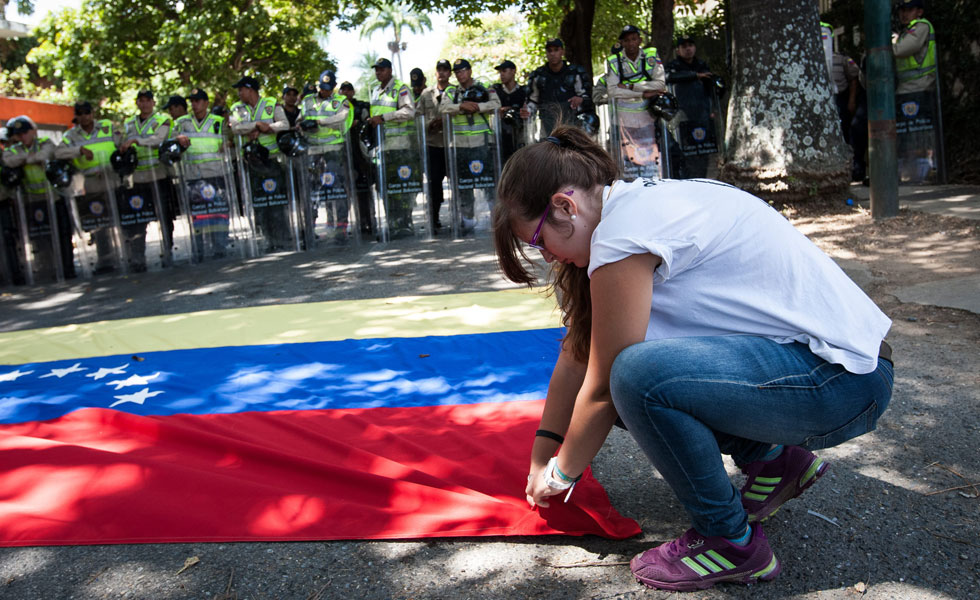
[
  {"x": 89, "y": 145},
  {"x": 513, "y": 98},
  {"x": 333, "y": 116},
  {"x": 915, "y": 49},
  {"x": 204, "y": 136},
  {"x": 417, "y": 79},
  {"x": 363, "y": 171},
  {"x": 290, "y": 104},
  {"x": 428, "y": 107},
  {"x": 559, "y": 90},
  {"x": 258, "y": 119},
  {"x": 696, "y": 101},
  {"x": 176, "y": 107},
  {"x": 31, "y": 151},
  {"x": 392, "y": 105},
  {"x": 472, "y": 135},
  {"x": 150, "y": 182}
]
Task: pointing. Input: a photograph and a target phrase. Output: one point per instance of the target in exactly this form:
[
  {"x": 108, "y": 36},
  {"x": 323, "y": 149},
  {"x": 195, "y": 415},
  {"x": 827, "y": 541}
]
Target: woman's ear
[{"x": 564, "y": 203}]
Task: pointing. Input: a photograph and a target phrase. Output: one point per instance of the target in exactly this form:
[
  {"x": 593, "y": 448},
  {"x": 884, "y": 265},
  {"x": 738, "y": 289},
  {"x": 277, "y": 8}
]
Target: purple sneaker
[
  {"x": 772, "y": 483},
  {"x": 694, "y": 562}
]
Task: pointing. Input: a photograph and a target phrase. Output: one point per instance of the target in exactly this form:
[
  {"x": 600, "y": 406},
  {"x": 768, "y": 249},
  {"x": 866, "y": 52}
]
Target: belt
[{"x": 885, "y": 351}]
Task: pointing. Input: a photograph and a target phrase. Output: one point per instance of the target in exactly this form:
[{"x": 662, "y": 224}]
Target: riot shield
[
  {"x": 696, "y": 129},
  {"x": 402, "y": 199},
  {"x": 919, "y": 144},
  {"x": 10, "y": 273},
  {"x": 145, "y": 223},
  {"x": 211, "y": 215},
  {"x": 268, "y": 200},
  {"x": 633, "y": 142},
  {"x": 473, "y": 174},
  {"x": 328, "y": 174},
  {"x": 41, "y": 239},
  {"x": 95, "y": 223},
  {"x": 513, "y": 133}
]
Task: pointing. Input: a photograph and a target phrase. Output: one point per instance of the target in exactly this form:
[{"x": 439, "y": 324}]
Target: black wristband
[{"x": 550, "y": 435}]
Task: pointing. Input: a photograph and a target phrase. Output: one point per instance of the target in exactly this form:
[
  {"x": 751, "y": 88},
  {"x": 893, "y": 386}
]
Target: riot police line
[{"x": 244, "y": 200}]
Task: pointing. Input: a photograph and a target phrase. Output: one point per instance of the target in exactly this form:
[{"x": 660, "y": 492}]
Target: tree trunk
[
  {"x": 784, "y": 140},
  {"x": 662, "y": 28},
  {"x": 576, "y": 32}
]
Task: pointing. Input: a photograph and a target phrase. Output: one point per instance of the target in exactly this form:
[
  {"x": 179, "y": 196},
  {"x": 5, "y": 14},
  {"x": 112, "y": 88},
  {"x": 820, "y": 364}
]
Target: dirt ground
[{"x": 895, "y": 517}]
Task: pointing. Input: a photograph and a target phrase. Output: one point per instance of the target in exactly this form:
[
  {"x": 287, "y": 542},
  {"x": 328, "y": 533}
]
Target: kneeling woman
[{"x": 699, "y": 316}]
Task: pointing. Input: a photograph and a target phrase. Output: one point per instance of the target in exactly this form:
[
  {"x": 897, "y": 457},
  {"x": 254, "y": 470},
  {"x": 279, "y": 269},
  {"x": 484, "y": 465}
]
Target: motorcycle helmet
[
  {"x": 169, "y": 152},
  {"x": 59, "y": 172},
  {"x": 476, "y": 93},
  {"x": 368, "y": 141},
  {"x": 663, "y": 107},
  {"x": 124, "y": 163},
  {"x": 291, "y": 143},
  {"x": 11, "y": 177},
  {"x": 309, "y": 125},
  {"x": 588, "y": 122}
]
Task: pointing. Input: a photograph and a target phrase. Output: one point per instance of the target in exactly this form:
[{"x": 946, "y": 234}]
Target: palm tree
[
  {"x": 398, "y": 16},
  {"x": 366, "y": 79}
]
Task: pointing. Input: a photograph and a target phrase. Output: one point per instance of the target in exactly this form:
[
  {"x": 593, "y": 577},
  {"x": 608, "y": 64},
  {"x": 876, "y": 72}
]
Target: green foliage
[
  {"x": 708, "y": 31},
  {"x": 366, "y": 80},
  {"x": 108, "y": 49},
  {"x": 497, "y": 38}
]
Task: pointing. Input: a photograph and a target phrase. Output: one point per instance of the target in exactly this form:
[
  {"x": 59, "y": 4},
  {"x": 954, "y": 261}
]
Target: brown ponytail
[{"x": 567, "y": 158}]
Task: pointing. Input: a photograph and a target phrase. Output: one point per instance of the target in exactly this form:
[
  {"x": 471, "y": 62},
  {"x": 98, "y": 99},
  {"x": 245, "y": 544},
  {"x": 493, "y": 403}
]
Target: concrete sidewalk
[{"x": 950, "y": 200}]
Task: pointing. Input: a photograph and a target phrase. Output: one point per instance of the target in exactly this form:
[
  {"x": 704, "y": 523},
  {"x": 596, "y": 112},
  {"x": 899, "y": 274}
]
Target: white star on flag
[
  {"x": 137, "y": 398},
  {"x": 103, "y": 372},
  {"x": 133, "y": 380},
  {"x": 59, "y": 373},
  {"x": 13, "y": 375}
]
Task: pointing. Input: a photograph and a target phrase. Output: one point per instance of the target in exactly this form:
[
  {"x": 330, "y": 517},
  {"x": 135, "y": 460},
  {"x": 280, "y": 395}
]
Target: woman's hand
[{"x": 537, "y": 490}]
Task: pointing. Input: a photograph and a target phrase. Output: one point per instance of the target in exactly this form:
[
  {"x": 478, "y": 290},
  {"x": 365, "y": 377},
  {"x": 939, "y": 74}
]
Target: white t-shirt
[{"x": 731, "y": 265}]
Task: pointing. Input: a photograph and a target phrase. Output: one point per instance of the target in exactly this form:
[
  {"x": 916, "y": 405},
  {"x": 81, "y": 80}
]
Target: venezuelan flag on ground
[{"x": 370, "y": 419}]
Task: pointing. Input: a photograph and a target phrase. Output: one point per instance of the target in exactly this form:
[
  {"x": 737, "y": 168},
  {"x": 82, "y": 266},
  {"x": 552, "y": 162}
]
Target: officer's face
[
  {"x": 199, "y": 106},
  {"x": 631, "y": 43},
  {"x": 686, "y": 50},
  {"x": 907, "y": 15},
  {"x": 26, "y": 138},
  {"x": 349, "y": 92},
  {"x": 145, "y": 105},
  {"x": 248, "y": 95},
  {"x": 442, "y": 74},
  {"x": 290, "y": 98},
  {"x": 507, "y": 76},
  {"x": 85, "y": 119},
  {"x": 463, "y": 76},
  {"x": 383, "y": 74},
  {"x": 554, "y": 54},
  {"x": 177, "y": 111}
]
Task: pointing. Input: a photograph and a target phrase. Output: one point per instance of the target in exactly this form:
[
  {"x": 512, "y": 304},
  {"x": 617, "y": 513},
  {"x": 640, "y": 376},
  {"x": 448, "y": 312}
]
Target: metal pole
[{"x": 882, "y": 147}]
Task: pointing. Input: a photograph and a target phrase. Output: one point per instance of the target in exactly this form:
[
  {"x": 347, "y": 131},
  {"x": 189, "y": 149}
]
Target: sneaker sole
[
  {"x": 767, "y": 574},
  {"x": 814, "y": 472}
]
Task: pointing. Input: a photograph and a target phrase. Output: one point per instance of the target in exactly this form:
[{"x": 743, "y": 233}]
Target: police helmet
[
  {"x": 588, "y": 122},
  {"x": 476, "y": 93},
  {"x": 255, "y": 154},
  {"x": 124, "y": 163},
  {"x": 368, "y": 141},
  {"x": 169, "y": 152},
  {"x": 11, "y": 177},
  {"x": 663, "y": 107},
  {"x": 291, "y": 143},
  {"x": 309, "y": 125},
  {"x": 59, "y": 172}
]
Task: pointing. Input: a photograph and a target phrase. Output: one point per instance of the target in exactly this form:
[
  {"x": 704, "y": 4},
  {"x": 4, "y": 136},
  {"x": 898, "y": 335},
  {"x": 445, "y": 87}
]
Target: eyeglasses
[{"x": 537, "y": 232}]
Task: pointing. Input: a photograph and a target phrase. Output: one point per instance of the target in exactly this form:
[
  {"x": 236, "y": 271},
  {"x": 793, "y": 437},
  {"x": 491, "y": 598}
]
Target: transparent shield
[
  {"x": 402, "y": 207},
  {"x": 918, "y": 142},
  {"x": 473, "y": 173},
  {"x": 513, "y": 133},
  {"x": 633, "y": 143},
  {"x": 10, "y": 273},
  {"x": 695, "y": 129},
  {"x": 329, "y": 176},
  {"x": 145, "y": 224},
  {"x": 95, "y": 223},
  {"x": 270, "y": 202},
  {"x": 41, "y": 237}
]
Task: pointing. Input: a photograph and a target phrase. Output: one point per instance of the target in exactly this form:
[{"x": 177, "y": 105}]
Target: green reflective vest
[
  {"x": 475, "y": 124},
  {"x": 99, "y": 142},
  {"x": 206, "y": 138},
  {"x": 149, "y": 158},
  {"x": 909, "y": 68},
  {"x": 264, "y": 111},
  {"x": 35, "y": 182},
  {"x": 632, "y": 74},
  {"x": 320, "y": 108},
  {"x": 383, "y": 102}
]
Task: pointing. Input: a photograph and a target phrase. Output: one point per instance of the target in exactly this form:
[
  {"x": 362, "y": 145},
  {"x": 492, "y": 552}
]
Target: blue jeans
[{"x": 688, "y": 400}]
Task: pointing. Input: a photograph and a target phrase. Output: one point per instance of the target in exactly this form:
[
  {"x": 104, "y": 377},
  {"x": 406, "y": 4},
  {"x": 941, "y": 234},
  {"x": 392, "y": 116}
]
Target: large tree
[{"x": 784, "y": 140}]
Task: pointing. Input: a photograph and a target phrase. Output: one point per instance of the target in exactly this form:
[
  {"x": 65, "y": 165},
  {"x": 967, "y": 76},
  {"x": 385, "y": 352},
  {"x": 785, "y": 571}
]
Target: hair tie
[{"x": 554, "y": 140}]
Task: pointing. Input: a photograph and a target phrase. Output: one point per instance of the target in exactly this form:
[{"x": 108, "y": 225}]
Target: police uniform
[
  {"x": 641, "y": 74},
  {"x": 511, "y": 125},
  {"x": 207, "y": 180},
  {"x": 551, "y": 91},
  {"x": 393, "y": 102},
  {"x": 915, "y": 57},
  {"x": 428, "y": 108},
  {"x": 150, "y": 183},
  {"x": 694, "y": 98},
  {"x": 92, "y": 197},
  {"x": 267, "y": 182}
]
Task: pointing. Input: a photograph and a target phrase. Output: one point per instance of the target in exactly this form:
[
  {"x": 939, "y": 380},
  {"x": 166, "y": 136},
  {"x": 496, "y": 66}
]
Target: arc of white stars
[
  {"x": 59, "y": 373},
  {"x": 137, "y": 398},
  {"x": 104, "y": 372},
  {"x": 133, "y": 380},
  {"x": 13, "y": 375}
]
